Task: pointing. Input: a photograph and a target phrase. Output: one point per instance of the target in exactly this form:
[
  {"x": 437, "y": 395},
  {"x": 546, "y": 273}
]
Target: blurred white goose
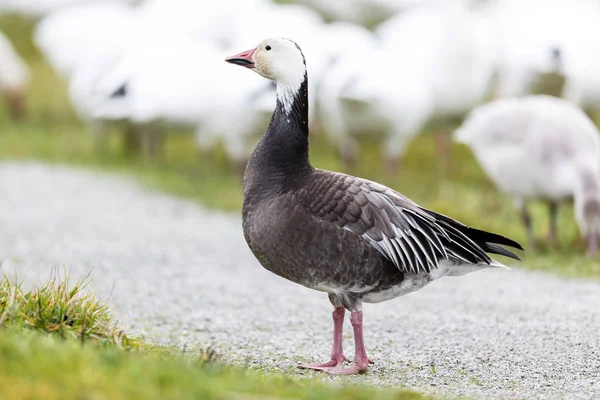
[
  {"x": 150, "y": 72},
  {"x": 40, "y": 8},
  {"x": 536, "y": 28},
  {"x": 366, "y": 91},
  {"x": 219, "y": 22},
  {"x": 70, "y": 36},
  {"x": 453, "y": 45},
  {"x": 540, "y": 147},
  {"x": 360, "y": 12},
  {"x": 369, "y": 12},
  {"x": 158, "y": 80},
  {"x": 14, "y": 78},
  {"x": 446, "y": 69}
]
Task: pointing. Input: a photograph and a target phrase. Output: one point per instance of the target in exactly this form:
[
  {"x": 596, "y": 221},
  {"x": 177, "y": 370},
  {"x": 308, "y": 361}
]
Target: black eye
[{"x": 268, "y": 47}]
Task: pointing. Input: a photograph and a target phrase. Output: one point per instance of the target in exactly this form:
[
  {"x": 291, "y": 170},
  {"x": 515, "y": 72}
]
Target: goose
[
  {"x": 540, "y": 147},
  {"x": 70, "y": 36},
  {"x": 538, "y": 26},
  {"x": 370, "y": 12},
  {"x": 359, "y": 96},
  {"x": 449, "y": 35},
  {"x": 14, "y": 78},
  {"x": 355, "y": 99},
  {"x": 144, "y": 86},
  {"x": 354, "y": 239}
]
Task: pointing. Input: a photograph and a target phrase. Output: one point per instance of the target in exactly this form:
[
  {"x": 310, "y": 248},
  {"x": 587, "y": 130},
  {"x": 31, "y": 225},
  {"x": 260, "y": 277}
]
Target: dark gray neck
[{"x": 280, "y": 160}]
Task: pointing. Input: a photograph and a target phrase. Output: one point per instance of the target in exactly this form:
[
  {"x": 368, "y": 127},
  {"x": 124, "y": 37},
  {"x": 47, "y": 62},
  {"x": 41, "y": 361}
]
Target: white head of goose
[{"x": 354, "y": 239}]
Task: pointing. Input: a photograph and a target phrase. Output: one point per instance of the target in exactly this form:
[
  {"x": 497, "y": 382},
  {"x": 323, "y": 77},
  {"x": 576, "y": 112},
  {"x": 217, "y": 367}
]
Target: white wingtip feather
[{"x": 497, "y": 264}]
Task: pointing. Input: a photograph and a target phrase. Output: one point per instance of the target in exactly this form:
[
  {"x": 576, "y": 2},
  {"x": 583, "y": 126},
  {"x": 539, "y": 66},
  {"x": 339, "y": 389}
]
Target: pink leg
[
  {"x": 361, "y": 361},
  {"x": 337, "y": 354}
]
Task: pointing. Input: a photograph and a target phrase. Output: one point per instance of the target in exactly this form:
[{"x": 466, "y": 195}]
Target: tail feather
[
  {"x": 489, "y": 242},
  {"x": 491, "y": 238},
  {"x": 496, "y": 249}
]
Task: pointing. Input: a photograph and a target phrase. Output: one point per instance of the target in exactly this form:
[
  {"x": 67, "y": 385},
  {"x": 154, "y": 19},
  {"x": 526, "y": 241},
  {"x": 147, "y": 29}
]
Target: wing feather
[{"x": 413, "y": 238}]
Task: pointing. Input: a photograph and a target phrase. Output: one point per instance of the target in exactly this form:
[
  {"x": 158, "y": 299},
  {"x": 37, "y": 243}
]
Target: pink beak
[{"x": 245, "y": 59}]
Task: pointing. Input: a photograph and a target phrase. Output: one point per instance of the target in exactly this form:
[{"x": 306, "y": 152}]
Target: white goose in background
[
  {"x": 71, "y": 36},
  {"x": 365, "y": 91},
  {"x": 150, "y": 73},
  {"x": 369, "y": 12},
  {"x": 158, "y": 80},
  {"x": 456, "y": 48},
  {"x": 540, "y": 147},
  {"x": 217, "y": 21},
  {"x": 360, "y": 12},
  {"x": 14, "y": 78},
  {"x": 40, "y": 8},
  {"x": 446, "y": 69},
  {"x": 80, "y": 48},
  {"x": 536, "y": 28}
]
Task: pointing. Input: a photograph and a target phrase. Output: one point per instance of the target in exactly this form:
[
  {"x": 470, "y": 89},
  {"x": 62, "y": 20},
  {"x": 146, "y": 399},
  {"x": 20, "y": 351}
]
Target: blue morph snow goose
[
  {"x": 356, "y": 240},
  {"x": 540, "y": 147}
]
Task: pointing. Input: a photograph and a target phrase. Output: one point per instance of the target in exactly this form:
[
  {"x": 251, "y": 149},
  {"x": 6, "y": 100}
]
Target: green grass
[
  {"x": 52, "y": 133},
  {"x": 59, "y": 342},
  {"x": 61, "y": 309},
  {"x": 35, "y": 366}
]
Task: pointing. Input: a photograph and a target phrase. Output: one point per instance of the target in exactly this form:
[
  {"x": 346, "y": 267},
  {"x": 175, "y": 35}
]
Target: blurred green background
[{"x": 51, "y": 132}]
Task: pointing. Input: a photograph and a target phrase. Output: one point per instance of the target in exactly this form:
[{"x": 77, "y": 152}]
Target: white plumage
[
  {"x": 528, "y": 31},
  {"x": 163, "y": 62},
  {"x": 14, "y": 77},
  {"x": 422, "y": 64},
  {"x": 365, "y": 92},
  {"x": 40, "y": 8},
  {"x": 14, "y": 73},
  {"x": 539, "y": 147},
  {"x": 75, "y": 35},
  {"x": 370, "y": 12},
  {"x": 455, "y": 48}
]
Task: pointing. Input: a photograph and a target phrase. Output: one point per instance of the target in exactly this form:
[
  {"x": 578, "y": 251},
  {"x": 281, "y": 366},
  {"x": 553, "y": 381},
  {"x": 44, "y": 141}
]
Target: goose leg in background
[
  {"x": 592, "y": 244},
  {"x": 99, "y": 131},
  {"x": 132, "y": 140},
  {"x": 337, "y": 353},
  {"x": 392, "y": 166},
  {"x": 349, "y": 154},
  {"x": 527, "y": 221},
  {"x": 235, "y": 145},
  {"x": 339, "y": 133},
  {"x": 443, "y": 147},
  {"x": 361, "y": 361},
  {"x": 552, "y": 232},
  {"x": 15, "y": 99},
  {"x": 206, "y": 140},
  {"x": 393, "y": 147},
  {"x": 152, "y": 140}
]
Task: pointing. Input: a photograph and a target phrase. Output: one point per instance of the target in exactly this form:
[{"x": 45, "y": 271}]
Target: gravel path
[{"x": 180, "y": 274}]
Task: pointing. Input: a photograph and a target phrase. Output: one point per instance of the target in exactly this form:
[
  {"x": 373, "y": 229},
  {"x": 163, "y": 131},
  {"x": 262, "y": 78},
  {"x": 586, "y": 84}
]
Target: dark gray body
[{"x": 291, "y": 242}]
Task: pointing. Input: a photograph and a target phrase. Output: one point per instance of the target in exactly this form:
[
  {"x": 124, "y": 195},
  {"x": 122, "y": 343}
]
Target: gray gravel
[{"x": 180, "y": 274}]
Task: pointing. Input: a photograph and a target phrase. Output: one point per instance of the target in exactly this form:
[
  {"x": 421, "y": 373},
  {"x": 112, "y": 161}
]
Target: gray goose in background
[
  {"x": 540, "y": 147},
  {"x": 356, "y": 240}
]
